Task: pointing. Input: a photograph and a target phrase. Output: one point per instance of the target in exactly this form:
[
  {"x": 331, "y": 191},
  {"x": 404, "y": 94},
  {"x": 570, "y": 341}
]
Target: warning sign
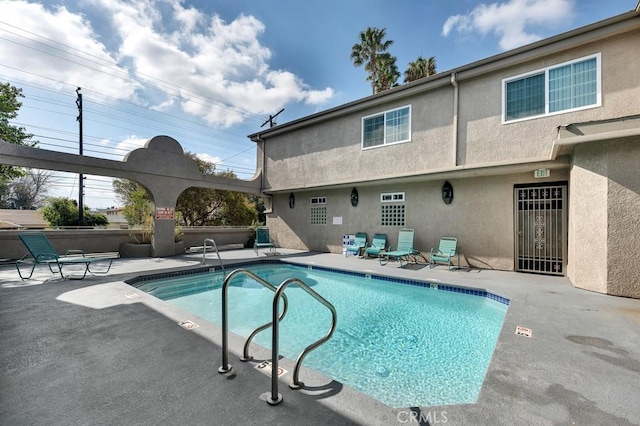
[
  {"x": 188, "y": 325},
  {"x": 165, "y": 213},
  {"x": 265, "y": 367},
  {"x": 523, "y": 331}
]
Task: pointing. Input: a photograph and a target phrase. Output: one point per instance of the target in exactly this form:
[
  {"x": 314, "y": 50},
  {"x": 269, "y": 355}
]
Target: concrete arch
[{"x": 160, "y": 166}]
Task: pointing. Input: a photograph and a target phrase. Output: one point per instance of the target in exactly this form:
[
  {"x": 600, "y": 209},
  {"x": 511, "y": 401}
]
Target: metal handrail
[
  {"x": 214, "y": 245},
  {"x": 276, "y": 398},
  {"x": 226, "y": 367}
]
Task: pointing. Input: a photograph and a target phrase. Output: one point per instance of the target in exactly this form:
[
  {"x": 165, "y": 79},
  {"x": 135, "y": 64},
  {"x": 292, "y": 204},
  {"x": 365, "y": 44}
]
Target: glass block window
[
  {"x": 318, "y": 215},
  {"x": 392, "y": 215},
  {"x": 389, "y": 127},
  {"x": 566, "y": 87}
]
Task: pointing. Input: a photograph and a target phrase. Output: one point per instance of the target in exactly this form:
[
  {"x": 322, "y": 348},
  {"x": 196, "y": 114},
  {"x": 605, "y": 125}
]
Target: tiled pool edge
[{"x": 136, "y": 281}]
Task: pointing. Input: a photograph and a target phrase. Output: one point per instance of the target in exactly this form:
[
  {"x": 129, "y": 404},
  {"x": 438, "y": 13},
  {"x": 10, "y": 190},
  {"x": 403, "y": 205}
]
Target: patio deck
[{"x": 86, "y": 352}]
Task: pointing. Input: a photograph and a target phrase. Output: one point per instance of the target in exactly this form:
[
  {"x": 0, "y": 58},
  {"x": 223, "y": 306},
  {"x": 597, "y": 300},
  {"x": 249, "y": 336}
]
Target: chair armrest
[{"x": 68, "y": 252}]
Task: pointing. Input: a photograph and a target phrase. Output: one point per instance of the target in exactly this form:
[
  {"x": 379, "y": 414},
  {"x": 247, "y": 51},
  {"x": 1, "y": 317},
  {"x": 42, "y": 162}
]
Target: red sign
[{"x": 165, "y": 213}]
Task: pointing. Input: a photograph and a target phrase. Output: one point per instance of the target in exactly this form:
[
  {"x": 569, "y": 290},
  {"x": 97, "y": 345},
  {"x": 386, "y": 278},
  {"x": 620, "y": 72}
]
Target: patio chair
[
  {"x": 447, "y": 249},
  {"x": 404, "y": 252},
  {"x": 41, "y": 252},
  {"x": 359, "y": 243},
  {"x": 263, "y": 240},
  {"x": 377, "y": 246}
]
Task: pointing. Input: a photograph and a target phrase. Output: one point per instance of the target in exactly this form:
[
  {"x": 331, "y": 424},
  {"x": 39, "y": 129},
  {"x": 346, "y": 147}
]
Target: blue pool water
[{"x": 403, "y": 345}]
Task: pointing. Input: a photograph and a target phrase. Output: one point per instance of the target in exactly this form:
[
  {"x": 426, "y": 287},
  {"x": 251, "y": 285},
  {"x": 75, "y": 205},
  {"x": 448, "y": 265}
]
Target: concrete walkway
[{"x": 99, "y": 352}]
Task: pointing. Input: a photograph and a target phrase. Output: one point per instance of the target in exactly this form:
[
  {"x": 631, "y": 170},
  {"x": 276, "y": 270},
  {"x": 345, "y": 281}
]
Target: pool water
[{"x": 401, "y": 344}]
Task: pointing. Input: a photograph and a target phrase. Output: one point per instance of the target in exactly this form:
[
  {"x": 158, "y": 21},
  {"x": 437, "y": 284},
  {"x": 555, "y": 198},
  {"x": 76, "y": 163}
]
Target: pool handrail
[
  {"x": 276, "y": 397},
  {"x": 214, "y": 245},
  {"x": 226, "y": 367}
]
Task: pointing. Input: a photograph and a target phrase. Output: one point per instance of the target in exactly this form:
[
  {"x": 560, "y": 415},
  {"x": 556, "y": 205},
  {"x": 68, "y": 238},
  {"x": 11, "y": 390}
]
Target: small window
[
  {"x": 566, "y": 87},
  {"x": 318, "y": 200},
  {"x": 387, "y": 128},
  {"x": 392, "y": 197}
]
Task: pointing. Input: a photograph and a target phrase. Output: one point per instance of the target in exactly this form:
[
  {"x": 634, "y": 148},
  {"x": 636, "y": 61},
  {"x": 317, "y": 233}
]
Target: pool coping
[{"x": 473, "y": 291}]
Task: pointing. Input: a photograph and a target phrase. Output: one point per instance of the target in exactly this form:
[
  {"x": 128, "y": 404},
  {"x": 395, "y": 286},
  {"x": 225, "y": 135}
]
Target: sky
[{"x": 210, "y": 72}]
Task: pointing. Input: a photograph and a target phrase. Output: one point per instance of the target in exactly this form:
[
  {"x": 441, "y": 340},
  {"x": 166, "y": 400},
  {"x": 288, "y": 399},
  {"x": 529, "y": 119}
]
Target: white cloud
[
  {"x": 210, "y": 159},
  {"x": 157, "y": 53},
  {"x": 65, "y": 41},
  {"x": 511, "y": 21}
]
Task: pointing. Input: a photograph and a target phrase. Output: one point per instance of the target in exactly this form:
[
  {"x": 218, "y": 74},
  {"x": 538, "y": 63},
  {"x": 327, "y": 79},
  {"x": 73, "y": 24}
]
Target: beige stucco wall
[
  {"x": 331, "y": 152},
  {"x": 623, "y": 211},
  {"x": 482, "y": 136},
  {"x": 587, "y": 248},
  {"x": 481, "y": 217},
  {"x": 604, "y": 221}
]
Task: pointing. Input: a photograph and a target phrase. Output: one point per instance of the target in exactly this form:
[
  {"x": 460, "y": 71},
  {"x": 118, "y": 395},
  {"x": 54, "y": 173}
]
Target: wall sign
[{"x": 165, "y": 213}]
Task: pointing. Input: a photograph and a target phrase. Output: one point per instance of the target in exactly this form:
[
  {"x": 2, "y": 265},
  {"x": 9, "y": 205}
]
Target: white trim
[
  {"x": 392, "y": 197},
  {"x": 314, "y": 201},
  {"x": 545, "y": 71}
]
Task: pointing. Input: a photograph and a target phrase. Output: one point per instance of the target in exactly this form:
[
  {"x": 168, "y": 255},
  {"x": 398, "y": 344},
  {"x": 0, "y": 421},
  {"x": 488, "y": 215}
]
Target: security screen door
[{"x": 541, "y": 224}]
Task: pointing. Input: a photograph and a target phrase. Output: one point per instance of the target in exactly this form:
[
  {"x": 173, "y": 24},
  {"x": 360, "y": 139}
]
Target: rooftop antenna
[{"x": 270, "y": 119}]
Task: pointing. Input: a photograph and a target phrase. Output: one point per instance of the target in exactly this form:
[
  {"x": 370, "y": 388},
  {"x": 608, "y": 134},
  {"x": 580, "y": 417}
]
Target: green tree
[
  {"x": 388, "y": 73},
  {"x": 9, "y": 106},
  {"x": 62, "y": 211},
  {"x": 195, "y": 206},
  {"x": 371, "y": 45},
  {"x": 420, "y": 68}
]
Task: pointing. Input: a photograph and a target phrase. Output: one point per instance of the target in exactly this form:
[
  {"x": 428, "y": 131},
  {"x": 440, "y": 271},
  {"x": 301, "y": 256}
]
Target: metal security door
[{"x": 541, "y": 223}]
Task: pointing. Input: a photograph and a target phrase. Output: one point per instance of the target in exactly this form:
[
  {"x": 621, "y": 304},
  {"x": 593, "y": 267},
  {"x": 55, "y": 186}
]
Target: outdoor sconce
[
  {"x": 292, "y": 200},
  {"x": 447, "y": 192},
  {"x": 354, "y": 197}
]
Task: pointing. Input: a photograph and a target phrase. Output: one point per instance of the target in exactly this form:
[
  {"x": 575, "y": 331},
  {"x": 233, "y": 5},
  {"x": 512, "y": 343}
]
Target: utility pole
[
  {"x": 81, "y": 183},
  {"x": 270, "y": 119}
]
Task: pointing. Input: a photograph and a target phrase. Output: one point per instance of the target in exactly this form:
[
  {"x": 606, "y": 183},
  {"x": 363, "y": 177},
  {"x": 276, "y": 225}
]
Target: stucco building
[{"x": 540, "y": 144}]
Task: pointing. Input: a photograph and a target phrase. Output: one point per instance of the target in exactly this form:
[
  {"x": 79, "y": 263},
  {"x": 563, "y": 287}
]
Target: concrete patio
[{"x": 100, "y": 352}]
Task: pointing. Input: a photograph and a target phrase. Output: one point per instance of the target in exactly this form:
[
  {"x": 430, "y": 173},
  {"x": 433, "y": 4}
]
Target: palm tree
[
  {"x": 388, "y": 72},
  {"x": 371, "y": 44},
  {"x": 420, "y": 68}
]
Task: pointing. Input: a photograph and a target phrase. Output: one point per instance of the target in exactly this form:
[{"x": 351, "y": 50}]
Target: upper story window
[
  {"x": 566, "y": 87},
  {"x": 389, "y": 127}
]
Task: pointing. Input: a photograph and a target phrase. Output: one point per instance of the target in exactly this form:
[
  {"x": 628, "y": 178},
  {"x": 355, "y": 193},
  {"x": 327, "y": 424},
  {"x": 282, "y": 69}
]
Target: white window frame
[
  {"x": 314, "y": 201},
  {"x": 597, "y": 56},
  {"x": 384, "y": 138},
  {"x": 393, "y": 197}
]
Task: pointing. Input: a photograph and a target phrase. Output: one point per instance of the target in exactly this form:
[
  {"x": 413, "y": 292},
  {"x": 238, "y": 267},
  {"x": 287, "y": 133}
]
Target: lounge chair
[
  {"x": 263, "y": 240},
  {"x": 359, "y": 243},
  {"x": 447, "y": 249},
  {"x": 41, "y": 252},
  {"x": 404, "y": 252},
  {"x": 377, "y": 246}
]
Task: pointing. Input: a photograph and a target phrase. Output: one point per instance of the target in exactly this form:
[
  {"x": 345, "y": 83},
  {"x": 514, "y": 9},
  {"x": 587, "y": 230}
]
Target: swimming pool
[{"x": 404, "y": 345}]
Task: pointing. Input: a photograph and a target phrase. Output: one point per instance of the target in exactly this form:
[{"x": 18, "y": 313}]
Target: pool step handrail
[
  {"x": 226, "y": 367},
  {"x": 276, "y": 397},
  {"x": 215, "y": 246}
]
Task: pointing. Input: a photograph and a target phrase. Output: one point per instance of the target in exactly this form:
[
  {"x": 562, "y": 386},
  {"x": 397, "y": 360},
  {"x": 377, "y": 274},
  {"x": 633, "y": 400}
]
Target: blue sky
[{"x": 210, "y": 72}]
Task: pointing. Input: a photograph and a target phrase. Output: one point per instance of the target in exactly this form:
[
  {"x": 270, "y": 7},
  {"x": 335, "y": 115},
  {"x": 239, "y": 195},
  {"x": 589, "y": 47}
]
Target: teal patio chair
[
  {"x": 377, "y": 246},
  {"x": 41, "y": 252},
  {"x": 447, "y": 250},
  {"x": 263, "y": 240},
  {"x": 359, "y": 242},
  {"x": 404, "y": 252}
]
